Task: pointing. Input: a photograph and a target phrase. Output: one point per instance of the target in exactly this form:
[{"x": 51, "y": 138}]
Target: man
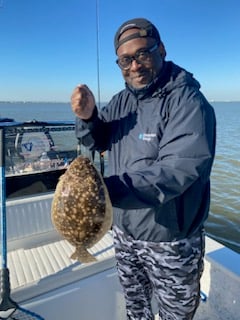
[{"x": 160, "y": 136}]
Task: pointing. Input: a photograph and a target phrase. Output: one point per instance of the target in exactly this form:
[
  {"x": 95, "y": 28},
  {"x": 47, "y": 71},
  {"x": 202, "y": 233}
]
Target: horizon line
[{"x": 51, "y": 101}]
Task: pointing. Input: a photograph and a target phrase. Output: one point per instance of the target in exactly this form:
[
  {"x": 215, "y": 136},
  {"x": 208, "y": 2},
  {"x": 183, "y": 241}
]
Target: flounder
[{"x": 81, "y": 208}]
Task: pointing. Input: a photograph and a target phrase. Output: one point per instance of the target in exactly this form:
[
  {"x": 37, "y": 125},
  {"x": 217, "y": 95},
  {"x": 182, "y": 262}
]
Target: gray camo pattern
[{"x": 169, "y": 271}]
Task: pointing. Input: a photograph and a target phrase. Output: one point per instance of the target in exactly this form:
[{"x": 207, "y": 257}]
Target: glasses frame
[{"x": 135, "y": 57}]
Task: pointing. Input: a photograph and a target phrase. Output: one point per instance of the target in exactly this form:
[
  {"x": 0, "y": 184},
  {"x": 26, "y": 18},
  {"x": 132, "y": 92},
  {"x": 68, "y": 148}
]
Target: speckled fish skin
[{"x": 81, "y": 207}]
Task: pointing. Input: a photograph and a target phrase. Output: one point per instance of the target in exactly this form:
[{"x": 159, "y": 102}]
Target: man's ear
[{"x": 162, "y": 50}]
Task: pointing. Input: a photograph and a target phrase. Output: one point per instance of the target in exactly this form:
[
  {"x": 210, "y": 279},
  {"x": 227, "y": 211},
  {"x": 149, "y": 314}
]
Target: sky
[{"x": 48, "y": 47}]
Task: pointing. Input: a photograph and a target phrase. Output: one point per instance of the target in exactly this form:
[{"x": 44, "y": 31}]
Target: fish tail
[{"x": 83, "y": 256}]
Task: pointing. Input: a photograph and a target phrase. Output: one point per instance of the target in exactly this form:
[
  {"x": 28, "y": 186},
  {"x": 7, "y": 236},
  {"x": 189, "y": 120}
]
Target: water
[{"x": 224, "y": 220}]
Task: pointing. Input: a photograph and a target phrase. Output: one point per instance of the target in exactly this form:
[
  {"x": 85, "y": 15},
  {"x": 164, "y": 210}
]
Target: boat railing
[{"x": 36, "y": 154}]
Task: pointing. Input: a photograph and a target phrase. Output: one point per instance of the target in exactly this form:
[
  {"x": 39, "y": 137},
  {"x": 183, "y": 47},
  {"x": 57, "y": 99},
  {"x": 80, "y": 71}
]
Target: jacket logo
[{"x": 147, "y": 136}]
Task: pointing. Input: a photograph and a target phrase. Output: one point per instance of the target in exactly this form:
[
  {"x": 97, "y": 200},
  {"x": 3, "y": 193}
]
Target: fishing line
[
  {"x": 98, "y": 58},
  {"x": 101, "y": 154}
]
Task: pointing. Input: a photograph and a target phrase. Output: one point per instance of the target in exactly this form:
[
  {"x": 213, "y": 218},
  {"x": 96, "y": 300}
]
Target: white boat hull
[{"x": 45, "y": 280}]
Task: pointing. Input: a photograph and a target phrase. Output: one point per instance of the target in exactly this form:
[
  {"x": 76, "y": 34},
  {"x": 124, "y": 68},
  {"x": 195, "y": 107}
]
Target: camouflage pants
[{"x": 169, "y": 271}]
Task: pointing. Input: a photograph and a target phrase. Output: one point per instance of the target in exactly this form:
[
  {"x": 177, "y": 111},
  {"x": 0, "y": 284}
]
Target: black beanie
[{"x": 146, "y": 29}]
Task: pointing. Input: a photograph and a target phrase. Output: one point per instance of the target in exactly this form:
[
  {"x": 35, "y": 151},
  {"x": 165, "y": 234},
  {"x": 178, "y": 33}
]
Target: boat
[{"x": 43, "y": 278}]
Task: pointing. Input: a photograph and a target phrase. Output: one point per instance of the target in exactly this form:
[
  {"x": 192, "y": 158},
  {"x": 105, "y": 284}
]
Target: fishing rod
[
  {"x": 9, "y": 309},
  {"x": 92, "y": 153},
  {"x": 101, "y": 154}
]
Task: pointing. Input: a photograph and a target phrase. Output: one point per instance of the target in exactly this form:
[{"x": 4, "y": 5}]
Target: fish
[{"x": 81, "y": 209}]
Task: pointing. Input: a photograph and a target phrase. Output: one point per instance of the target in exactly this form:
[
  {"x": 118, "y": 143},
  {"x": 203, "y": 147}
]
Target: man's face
[{"x": 139, "y": 74}]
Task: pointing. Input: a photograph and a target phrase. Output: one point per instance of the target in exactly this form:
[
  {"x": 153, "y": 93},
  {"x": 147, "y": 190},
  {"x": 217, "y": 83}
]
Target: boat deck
[
  {"x": 35, "y": 271},
  {"x": 38, "y": 258},
  {"x": 39, "y": 263}
]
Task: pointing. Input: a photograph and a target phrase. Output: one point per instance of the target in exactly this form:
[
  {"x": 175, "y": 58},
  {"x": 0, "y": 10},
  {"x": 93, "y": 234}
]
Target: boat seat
[{"x": 38, "y": 258}]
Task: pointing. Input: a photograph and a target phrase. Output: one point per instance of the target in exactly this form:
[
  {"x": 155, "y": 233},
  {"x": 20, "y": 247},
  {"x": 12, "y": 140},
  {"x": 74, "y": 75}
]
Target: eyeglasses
[{"x": 141, "y": 56}]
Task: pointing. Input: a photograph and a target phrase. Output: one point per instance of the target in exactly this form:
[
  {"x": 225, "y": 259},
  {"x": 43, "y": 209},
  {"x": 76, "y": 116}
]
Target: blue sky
[{"x": 48, "y": 47}]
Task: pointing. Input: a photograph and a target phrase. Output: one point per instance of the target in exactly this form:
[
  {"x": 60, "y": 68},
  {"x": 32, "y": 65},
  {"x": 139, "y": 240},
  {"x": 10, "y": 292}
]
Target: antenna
[{"x": 98, "y": 73}]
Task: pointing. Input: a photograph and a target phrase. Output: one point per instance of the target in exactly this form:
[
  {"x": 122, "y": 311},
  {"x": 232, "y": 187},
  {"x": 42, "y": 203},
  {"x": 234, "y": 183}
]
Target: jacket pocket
[{"x": 166, "y": 215}]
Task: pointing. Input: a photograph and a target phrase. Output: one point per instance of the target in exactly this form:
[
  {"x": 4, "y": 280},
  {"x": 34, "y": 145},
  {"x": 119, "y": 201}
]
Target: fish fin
[{"x": 83, "y": 256}]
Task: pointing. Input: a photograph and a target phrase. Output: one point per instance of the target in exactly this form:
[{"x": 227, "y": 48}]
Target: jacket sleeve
[
  {"x": 93, "y": 133},
  {"x": 186, "y": 153}
]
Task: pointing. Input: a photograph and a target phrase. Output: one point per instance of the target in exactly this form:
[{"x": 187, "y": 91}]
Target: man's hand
[{"x": 83, "y": 102}]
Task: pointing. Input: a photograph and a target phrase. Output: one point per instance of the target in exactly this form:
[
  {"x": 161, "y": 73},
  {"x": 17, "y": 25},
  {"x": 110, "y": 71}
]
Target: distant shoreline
[
  {"x": 211, "y": 101},
  {"x": 34, "y": 101}
]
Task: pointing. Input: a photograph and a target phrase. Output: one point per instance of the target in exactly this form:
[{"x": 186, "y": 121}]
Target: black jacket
[{"x": 161, "y": 146}]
